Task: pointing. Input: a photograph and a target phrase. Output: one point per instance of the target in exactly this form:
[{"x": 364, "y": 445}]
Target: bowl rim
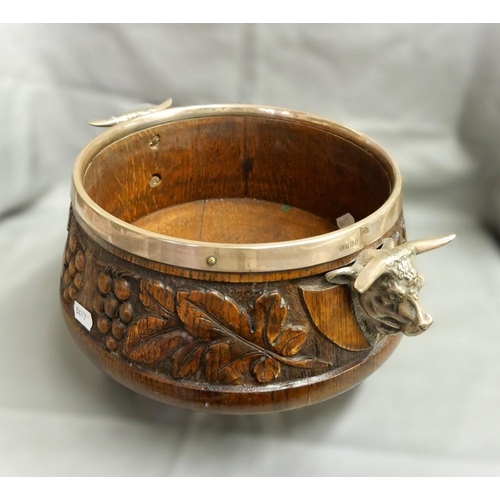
[{"x": 231, "y": 257}]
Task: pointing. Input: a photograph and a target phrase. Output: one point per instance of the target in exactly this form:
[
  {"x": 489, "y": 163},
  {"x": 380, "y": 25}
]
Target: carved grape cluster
[
  {"x": 111, "y": 303},
  {"x": 74, "y": 263}
]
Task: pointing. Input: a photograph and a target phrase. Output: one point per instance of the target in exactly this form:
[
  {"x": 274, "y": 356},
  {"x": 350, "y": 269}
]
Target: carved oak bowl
[{"x": 238, "y": 259}]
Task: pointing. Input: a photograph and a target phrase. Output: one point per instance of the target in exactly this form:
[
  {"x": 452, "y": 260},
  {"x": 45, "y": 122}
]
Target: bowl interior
[{"x": 237, "y": 179}]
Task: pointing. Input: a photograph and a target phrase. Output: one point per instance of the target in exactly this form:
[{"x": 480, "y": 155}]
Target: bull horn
[
  {"x": 421, "y": 246},
  {"x": 373, "y": 270},
  {"x": 388, "y": 244},
  {"x": 114, "y": 120},
  {"x": 347, "y": 272}
]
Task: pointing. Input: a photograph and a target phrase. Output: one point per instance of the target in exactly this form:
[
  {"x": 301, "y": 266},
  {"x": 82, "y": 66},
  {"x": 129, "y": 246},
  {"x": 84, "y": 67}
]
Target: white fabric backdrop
[{"x": 429, "y": 94}]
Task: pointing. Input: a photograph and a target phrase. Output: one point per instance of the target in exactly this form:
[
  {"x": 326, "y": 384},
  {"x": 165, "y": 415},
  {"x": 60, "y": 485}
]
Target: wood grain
[
  {"x": 330, "y": 311},
  {"x": 225, "y": 342},
  {"x": 240, "y": 220},
  {"x": 213, "y": 346},
  {"x": 237, "y": 157}
]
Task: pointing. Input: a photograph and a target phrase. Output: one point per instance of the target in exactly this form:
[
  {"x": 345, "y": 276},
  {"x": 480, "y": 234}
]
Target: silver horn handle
[{"x": 114, "y": 120}]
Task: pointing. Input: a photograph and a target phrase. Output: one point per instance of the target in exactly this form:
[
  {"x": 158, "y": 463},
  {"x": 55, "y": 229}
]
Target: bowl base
[{"x": 235, "y": 220}]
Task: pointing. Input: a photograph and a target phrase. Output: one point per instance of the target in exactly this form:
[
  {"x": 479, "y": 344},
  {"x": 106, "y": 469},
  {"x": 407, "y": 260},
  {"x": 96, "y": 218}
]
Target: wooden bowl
[{"x": 198, "y": 242}]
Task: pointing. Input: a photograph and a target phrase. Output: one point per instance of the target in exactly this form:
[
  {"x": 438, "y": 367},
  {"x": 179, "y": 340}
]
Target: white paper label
[
  {"x": 346, "y": 220},
  {"x": 82, "y": 315}
]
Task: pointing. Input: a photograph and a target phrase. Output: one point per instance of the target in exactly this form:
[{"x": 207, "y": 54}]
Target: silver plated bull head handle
[{"x": 384, "y": 288}]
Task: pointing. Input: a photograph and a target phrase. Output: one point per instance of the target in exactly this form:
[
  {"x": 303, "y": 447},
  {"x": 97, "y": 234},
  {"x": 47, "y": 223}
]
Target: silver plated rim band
[{"x": 248, "y": 258}]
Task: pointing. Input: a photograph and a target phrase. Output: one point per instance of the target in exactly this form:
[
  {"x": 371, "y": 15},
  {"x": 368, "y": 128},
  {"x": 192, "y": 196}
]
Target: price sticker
[
  {"x": 82, "y": 315},
  {"x": 345, "y": 220}
]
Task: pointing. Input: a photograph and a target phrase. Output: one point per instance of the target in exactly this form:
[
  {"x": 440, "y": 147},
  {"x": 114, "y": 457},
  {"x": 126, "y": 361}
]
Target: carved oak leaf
[
  {"x": 151, "y": 339},
  {"x": 186, "y": 359},
  {"x": 157, "y": 298},
  {"x": 266, "y": 369},
  {"x": 223, "y": 366},
  {"x": 270, "y": 314},
  {"x": 290, "y": 340},
  {"x": 209, "y": 315}
]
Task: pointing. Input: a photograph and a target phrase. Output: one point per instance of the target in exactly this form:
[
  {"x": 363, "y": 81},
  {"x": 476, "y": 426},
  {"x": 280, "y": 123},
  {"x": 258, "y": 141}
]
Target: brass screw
[
  {"x": 155, "y": 180},
  {"x": 154, "y": 142},
  {"x": 211, "y": 261}
]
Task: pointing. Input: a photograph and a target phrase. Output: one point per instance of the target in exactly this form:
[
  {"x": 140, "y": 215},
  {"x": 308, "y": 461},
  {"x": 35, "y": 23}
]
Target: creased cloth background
[{"x": 428, "y": 93}]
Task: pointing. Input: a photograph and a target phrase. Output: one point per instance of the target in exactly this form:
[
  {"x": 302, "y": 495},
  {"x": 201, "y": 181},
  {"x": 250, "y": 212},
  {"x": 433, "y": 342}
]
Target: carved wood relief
[
  {"x": 73, "y": 267},
  {"x": 205, "y": 330},
  {"x": 185, "y": 329}
]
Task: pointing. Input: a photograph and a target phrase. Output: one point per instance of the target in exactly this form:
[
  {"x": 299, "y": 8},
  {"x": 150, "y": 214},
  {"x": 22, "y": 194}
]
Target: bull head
[{"x": 384, "y": 288}]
